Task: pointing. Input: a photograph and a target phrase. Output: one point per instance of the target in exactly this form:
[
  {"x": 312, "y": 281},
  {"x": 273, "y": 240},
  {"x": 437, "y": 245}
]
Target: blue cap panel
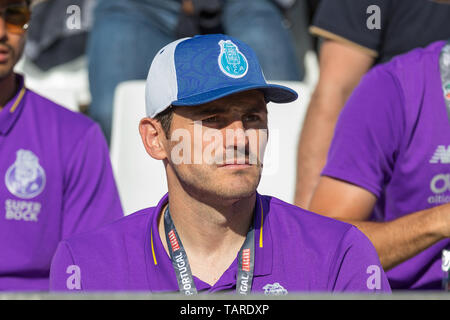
[{"x": 203, "y": 66}]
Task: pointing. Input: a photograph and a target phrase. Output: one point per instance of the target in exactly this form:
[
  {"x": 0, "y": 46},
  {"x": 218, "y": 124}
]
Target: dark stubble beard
[{"x": 8, "y": 68}]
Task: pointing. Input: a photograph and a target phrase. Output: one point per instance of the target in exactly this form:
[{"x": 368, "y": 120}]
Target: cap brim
[{"x": 272, "y": 92}]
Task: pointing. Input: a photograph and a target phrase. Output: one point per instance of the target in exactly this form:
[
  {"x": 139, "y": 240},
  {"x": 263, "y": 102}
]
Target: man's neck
[
  {"x": 210, "y": 228},
  {"x": 8, "y": 88},
  {"x": 211, "y": 235}
]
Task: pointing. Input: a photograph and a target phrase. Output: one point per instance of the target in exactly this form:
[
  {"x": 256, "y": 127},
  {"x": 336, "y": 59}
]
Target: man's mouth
[
  {"x": 4, "y": 55},
  {"x": 236, "y": 163}
]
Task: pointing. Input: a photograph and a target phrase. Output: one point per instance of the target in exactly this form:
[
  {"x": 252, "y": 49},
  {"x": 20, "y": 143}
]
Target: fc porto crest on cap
[
  {"x": 231, "y": 61},
  {"x": 25, "y": 178}
]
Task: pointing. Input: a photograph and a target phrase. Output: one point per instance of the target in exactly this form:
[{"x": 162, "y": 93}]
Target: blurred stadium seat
[
  {"x": 141, "y": 179},
  {"x": 66, "y": 84},
  {"x": 285, "y": 123}
]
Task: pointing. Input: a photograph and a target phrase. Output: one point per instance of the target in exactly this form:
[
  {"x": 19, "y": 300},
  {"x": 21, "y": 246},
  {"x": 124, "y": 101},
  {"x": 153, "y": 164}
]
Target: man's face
[
  {"x": 12, "y": 36},
  {"x": 216, "y": 149}
]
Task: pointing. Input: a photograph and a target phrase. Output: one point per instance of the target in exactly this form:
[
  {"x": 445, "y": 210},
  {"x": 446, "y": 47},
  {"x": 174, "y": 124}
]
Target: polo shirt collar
[
  {"x": 12, "y": 110},
  {"x": 160, "y": 272},
  {"x": 263, "y": 237}
]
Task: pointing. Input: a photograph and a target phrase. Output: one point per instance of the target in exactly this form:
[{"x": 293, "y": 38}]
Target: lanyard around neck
[
  {"x": 444, "y": 67},
  {"x": 180, "y": 263}
]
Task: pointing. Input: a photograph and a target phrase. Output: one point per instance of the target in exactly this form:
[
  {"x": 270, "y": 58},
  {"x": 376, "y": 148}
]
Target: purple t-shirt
[
  {"x": 393, "y": 139},
  {"x": 56, "y": 180},
  {"x": 295, "y": 251}
]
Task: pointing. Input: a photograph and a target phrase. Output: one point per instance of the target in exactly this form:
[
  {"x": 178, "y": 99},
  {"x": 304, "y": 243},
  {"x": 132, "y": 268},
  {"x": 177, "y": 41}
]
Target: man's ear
[{"x": 153, "y": 138}]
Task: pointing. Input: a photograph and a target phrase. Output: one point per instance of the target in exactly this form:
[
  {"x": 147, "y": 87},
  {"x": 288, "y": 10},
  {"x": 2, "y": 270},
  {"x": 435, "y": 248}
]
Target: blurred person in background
[
  {"x": 127, "y": 34},
  {"x": 388, "y": 168},
  {"x": 356, "y": 35},
  {"x": 58, "y": 31},
  {"x": 56, "y": 176}
]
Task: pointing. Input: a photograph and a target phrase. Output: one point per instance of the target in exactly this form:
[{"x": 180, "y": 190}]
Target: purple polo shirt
[
  {"x": 393, "y": 139},
  {"x": 295, "y": 251},
  {"x": 56, "y": 180}
]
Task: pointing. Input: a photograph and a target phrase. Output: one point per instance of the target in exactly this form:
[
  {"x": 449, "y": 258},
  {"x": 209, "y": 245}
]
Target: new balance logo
[{"x": 441, "y": 155}]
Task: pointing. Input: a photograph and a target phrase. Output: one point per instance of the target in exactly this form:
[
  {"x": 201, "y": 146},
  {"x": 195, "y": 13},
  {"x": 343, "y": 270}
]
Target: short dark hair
[{"x": 165, "y": 118}]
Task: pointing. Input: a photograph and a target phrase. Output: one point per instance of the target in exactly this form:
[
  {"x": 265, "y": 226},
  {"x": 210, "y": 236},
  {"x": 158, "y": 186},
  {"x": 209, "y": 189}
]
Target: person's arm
[
  {"x": 341, "y": 68},
  {"x": 91, "y": 198},
  {"x": 396, "y": 240},
  {"x": 364, "y": 153}
]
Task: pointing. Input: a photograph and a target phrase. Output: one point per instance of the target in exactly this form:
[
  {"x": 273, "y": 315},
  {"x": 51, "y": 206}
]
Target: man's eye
[
  {"x": 211, "y": 119},
  {"x": 252, "y": 117}
]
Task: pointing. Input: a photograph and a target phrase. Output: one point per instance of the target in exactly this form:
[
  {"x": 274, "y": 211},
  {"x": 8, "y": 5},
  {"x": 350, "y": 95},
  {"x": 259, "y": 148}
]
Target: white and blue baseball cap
[{"x": 201, "y": 69}]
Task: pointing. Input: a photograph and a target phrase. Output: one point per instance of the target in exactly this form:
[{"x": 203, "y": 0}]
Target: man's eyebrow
[
  {"x": 209, "y": 110},
  {"x": 255, "y": 108}
]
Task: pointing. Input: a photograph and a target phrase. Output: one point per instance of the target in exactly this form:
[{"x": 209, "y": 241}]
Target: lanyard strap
[
  {"x": 444, "y": 66},
  {"x": 180, "y": 263}
]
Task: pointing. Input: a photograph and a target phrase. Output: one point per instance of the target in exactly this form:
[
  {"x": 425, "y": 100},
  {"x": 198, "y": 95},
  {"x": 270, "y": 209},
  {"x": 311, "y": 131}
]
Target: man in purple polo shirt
[
  {"x": 207, "y": 121},
  {"x": 388, "y": 169},
  {"x": 56, "y": 177}
]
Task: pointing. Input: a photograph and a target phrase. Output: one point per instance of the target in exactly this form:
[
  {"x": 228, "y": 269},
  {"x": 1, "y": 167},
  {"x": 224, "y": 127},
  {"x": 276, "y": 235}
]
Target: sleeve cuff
[
  {"x": 357, "y": 181},
  {"x": 314, "y": 30}
]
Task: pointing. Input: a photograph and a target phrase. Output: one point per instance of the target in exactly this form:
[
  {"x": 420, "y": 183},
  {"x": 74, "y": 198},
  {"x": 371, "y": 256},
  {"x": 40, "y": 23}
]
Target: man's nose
[{"x": 235, "y": 134}]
